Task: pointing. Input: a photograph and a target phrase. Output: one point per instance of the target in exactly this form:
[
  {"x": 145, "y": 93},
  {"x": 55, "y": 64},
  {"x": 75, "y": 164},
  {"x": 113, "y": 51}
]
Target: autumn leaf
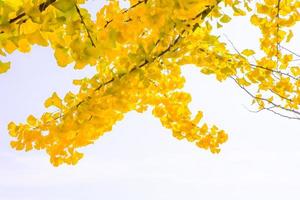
[{"x": 4, "y": 66}]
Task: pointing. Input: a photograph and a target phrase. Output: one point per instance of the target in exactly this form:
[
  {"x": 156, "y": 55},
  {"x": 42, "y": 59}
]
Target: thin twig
[
  {"x": 135, "y": 5},
  {"x": 276, "y": 71},
  {"x": 282, "y": 115},
  {"x": 233, "y": 46},
  {"x": 266, "y": 100},
  {"x": 290, "y": 100},
  {"x": 277, "y": 32},
  {"x": 292, "y": 52},
  {"x": 126, "y": 10},
  {"x": 84, "y": 24},
  {"x": 259, "y": 110}
]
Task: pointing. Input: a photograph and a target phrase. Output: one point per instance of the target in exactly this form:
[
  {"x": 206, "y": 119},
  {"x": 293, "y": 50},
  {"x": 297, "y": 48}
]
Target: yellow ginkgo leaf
[
  {"x": 248, "y": 52},
  {"x": 62, "y": 57},
  {"x": 12, "y": 129},
  {"x": 15, "y": 4},
  {"x": 198, "y": 117},
  {"x": 54, "y": 100},
  {"x": 31, "y": 120},
  {"x": 9, "y": 46},
  {"x": 255, "y": 20},
  {"x": 4, "y": 66},
  {"x": 290, "y": 35},
  {"x": 64, "y": 5},
  {"x": 225, "y": 19},
  {"x": 24, "y": 45}
]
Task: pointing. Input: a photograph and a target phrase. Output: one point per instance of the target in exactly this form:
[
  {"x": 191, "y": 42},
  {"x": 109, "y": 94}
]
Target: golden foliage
[{"x": 138, "y": 53}]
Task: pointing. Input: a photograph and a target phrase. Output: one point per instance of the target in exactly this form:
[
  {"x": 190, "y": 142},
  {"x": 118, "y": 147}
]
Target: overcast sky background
[{"x": 139, "y": 159}]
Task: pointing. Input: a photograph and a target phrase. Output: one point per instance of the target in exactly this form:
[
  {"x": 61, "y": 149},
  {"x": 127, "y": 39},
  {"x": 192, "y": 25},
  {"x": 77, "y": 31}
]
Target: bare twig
[
  {"x": 275, "y": 71},
  {"x": 282, "y": 115},
  {"x": 292, "y": 52},
  {"x": 267, "y": 100}
]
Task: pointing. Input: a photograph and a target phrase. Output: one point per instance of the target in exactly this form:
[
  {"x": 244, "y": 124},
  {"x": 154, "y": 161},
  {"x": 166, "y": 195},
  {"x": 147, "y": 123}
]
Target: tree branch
[
  {"x": 268, "y": 101},
  {"x": 42, "y": 7},
  {"x": 276, "y": 71},
  {"x": 292, "y": 52},
  {"x": 84, "y": 24},
  {"x": 127, "y": 10},
  {"x": 143, "y": 64},
  {"x": 277, "y": 31}
]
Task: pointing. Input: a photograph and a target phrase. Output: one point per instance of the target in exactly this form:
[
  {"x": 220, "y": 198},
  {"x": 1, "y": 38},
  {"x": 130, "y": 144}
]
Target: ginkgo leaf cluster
[{"x": 138, "y": 53}]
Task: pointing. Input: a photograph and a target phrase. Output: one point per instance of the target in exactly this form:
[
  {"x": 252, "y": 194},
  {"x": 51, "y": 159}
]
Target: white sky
[{"x": 139, "y": 159}]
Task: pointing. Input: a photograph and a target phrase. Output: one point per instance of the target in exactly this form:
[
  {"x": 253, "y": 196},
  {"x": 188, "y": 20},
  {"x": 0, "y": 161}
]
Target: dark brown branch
[
  {"x": 203, "y": 14},
  {"x": 16, "y": 18},
  {"x": 290, "y": 100},
  {"x": 127, "y": 10},
  {"x": 146, "y": 62},
  {"x": 45, "y": 5},
  {"x": 85, "y": 26},
  {"x": 107, "y": 23},
  {"x": 277, "y": 31},
  {"x": 143, "y": 64},
  {"x": 42, "y": 7},
  {"x": 135, "y": 5}
]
